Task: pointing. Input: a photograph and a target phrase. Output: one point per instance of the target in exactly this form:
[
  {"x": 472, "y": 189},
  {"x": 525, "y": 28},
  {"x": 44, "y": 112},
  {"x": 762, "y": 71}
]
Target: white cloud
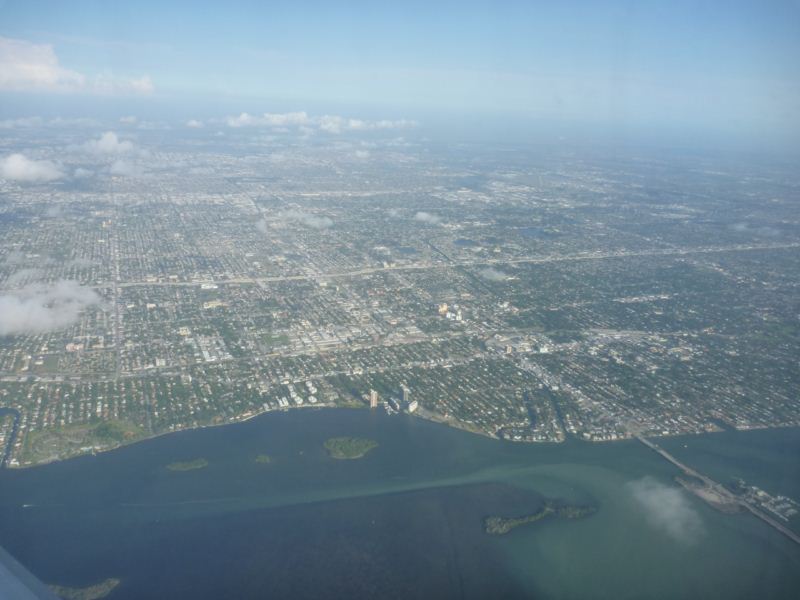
[
  {"x": 269, "y": 120},
  {"x": 129, "y": 120},
  {"x": 108, "y": 143},
  {"x": 362, "y": 154},
  {"x": 668, "y": 509},
  {"x": 27, "y": 66},
  {"x": 18, "y": 167},
  {"x": 426, "y": 217},
  {"x": 493, "y": 274},
  {"x": 24, "y": 122},
  {"x": 38, "y": 308},
  {"x": 81, "y": 173},
  {"x": 194, "y": 124},
  {"x": 306, "y": 124},
  {"x": 143, "y": 85},
  {"x": 23, "y": 275},
  {"x": 307, "y": 219},
  {"x": 21, "y": 122},
  {"x": 81, "y": 122},
  {"x": 124, "y": 168},
  {"x": 337, "y": 124}
]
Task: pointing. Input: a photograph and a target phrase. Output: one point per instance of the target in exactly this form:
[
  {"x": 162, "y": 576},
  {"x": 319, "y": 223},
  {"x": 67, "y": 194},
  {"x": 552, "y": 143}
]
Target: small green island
[
  {"x": 349, "y": 448},
  {"x": 263, "y": 459},
  {"x": 91, "y": 592},
  {"x": 495, "y": 525},
  {"x": 188, "y": 465}
]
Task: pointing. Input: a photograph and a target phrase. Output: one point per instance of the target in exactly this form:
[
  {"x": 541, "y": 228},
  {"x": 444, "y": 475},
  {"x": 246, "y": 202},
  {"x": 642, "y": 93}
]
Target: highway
[{"x": 459, "y": 263}]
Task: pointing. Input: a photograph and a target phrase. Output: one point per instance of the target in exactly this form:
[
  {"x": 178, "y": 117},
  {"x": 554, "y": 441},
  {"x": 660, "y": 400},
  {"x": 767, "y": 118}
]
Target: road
[{"x": 460, "y": 263}]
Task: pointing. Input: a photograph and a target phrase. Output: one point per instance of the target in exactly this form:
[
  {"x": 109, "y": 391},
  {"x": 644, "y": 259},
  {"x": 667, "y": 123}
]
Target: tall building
[
  {"x": 373, "y": 399},
  {"x": 406, "y": 394}
]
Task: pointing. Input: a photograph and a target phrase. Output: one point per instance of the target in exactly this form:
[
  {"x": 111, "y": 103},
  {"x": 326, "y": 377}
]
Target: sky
[{"x": 727, "y": 66}]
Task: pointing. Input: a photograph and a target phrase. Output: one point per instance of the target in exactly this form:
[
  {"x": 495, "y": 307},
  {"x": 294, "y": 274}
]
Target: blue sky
[{"x": 722, "y": 65}]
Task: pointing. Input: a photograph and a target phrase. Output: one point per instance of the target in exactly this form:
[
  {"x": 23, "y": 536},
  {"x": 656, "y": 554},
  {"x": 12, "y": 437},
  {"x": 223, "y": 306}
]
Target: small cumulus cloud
[
  {"x": 124, "y": 168},
  {"x": 194, "y": 124},
  {"x": 426, "y": 217},
  {"x": 336, "y": 124},
  {"x": 307, "y": 125},
  {"x": 108, "y": 143},
  {"x": 18, "y": 167},
  {"x": 81, "y": 173},
  {"x": 129, "y": 120},
  {"x": 24, "y": 276},
  {"x": 308, "y": 219},
  {"x": 81, "y": 122},
  {"x": 22, "y": 122},
  {"x": 764, "y": 231},
  {"x": 38, "y": 308},
  {"x": 26, "y": 66},
  {"x": 668, "y": 508},
  {"x": 269, "y": 120},
  {"x": 54, "y": 211},
  {"x": 492, "y": 274},
  {"x": 362, "y": 154},
  {"x": 34, "y": 122}
]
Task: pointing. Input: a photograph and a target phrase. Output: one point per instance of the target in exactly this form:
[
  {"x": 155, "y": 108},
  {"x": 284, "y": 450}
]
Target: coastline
[
  {"x": 421, "y": 413},
  {"x": 154, "y": 436}
]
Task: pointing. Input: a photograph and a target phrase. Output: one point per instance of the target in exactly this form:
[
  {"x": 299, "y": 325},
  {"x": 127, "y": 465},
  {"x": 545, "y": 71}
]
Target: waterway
[{"x": 404, "y": 521}]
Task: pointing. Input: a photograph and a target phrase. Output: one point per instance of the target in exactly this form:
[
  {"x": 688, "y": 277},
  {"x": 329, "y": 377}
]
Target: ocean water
[{"x": 404, "y": 521}]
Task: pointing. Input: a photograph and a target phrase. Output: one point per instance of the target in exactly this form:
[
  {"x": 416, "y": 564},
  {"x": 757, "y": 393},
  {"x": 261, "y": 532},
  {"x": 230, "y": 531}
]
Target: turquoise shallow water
[{"x": 405, "y": 521}]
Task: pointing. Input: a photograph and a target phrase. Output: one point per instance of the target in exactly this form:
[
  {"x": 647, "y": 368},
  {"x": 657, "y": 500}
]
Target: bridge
[{"x": 720, "y": 490}]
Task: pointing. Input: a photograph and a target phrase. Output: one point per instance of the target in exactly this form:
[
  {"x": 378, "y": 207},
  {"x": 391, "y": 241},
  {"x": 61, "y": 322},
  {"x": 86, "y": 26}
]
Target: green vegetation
[
  {"x": 188, "y": 465},
  {"x": 501, "y": 525},
  {"x": 58, "y": 443},
  {"x": 91, "y": 592},
  {"x": 112, "y": 431},
  {"x": 349, "y": 448},
  {"x": 263, "y": 459}
]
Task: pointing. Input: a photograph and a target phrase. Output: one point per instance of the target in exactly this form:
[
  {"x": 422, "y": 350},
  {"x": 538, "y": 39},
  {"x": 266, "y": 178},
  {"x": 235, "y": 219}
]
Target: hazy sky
[{"x": 724, "y": 65}]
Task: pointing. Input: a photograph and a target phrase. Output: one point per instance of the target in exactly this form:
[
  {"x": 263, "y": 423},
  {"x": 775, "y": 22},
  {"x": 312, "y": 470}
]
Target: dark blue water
[{"x": 404, "y": 521}]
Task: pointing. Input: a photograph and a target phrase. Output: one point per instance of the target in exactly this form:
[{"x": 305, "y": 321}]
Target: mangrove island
[
  {"x": 188, "y": 465},
  {"x": 495, "y": 525},
  {"x": 349, "y": 448}
]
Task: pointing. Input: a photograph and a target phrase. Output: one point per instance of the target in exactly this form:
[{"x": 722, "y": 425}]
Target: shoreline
[{"x": 420, "y": 414}]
